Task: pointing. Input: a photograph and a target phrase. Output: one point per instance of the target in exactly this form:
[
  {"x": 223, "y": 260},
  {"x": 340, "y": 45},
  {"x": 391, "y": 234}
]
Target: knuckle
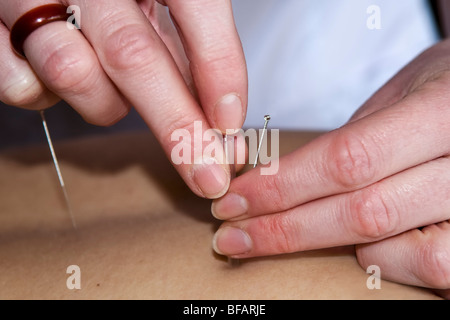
[
  {"x": 129, "y": 48},
  {"x": 434, "y": 270},
  {"x": 179, "y": 122},
  {"x": 278, "y": 230},
  {"x": 176, "y": 121},
  {"x": 351, "y": 164},
  {"x": 371, "y": 216},
  {"x": 68, "y": 71},
  {"x": 276, "y": 188},
  {"x": 216, "y": 61}
]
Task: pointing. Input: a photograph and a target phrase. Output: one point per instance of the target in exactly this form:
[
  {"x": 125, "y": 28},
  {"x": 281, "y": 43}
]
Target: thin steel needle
[
  {"x": 266, "y": 123},
  {"x": 58, "y": 169}
]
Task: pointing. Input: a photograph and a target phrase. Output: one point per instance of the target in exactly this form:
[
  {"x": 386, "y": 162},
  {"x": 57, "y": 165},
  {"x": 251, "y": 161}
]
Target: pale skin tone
[
  {"x": 374, "y": 182},
  {"x": 142, "y": 234},
  {"x": 129, "y": 53},
  {"x": 370, "y": 183}
]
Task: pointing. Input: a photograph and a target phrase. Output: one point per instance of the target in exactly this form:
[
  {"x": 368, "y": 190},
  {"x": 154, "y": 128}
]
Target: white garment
[{"x": 313, "y": 63}]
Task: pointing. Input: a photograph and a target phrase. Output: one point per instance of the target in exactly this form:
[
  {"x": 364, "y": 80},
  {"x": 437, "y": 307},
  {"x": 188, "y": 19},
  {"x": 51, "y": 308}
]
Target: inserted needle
[
  {"x": 58, "y": 169},
  {"x": 266, "y": 123}
]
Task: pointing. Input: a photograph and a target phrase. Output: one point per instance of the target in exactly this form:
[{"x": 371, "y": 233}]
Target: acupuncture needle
[
  {"x": 58, "y": 169},
  {"x": 266, "y": 123}
]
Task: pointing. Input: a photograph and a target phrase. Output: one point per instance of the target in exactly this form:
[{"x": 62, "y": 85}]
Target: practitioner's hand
[
  {"x": 381, "y": 182},
  {"x": 129, "y": 53}
]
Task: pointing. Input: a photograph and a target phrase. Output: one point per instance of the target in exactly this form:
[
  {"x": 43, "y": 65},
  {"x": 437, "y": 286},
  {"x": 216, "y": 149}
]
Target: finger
[
  {"x": 413, "y": 198},
  {"x": 406, "y": 81},
  {"x": 217, "y": 60},
  {"x": 20, "y": 86},
  {"x": 139, "y": 63},
  {"x": 353, "y": 157},
  {"x": 68, "y": 66},
  {"x": 161, "y": 21},
  {"x": 443, "y": 293},
  {"x": 418, "y": 257}
]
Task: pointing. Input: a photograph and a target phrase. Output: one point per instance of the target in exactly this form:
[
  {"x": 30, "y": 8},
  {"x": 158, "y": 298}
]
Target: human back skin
[{"x": 142, "y": 234}]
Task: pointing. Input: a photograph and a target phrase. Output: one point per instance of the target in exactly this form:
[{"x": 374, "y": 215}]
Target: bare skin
[{"x": 142, "y": 234}]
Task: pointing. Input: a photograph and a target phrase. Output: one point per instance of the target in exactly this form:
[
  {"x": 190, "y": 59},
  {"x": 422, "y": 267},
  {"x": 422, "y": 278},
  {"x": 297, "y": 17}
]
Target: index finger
[
  {"x": 216, "y": 59},
  {"x": 138, "y": 62},
  {"x": 361, "y": 153}
]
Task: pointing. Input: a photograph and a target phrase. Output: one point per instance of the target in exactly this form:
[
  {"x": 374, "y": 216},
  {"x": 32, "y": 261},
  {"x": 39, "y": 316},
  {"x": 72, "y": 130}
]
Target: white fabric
[{"x": 312, "y": 63}]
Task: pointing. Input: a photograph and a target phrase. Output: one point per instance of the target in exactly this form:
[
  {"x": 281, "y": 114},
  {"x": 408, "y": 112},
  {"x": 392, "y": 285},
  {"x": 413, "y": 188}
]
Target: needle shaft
[
  {"x": 58, "y": 169},
  {"x": 266, "y": 123}
]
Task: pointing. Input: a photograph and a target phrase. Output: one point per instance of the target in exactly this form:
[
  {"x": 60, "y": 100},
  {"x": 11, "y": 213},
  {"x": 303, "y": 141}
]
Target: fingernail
[
  {"x": 231, "y": 241},
  {"x": 230, "y": 206},
  {"x": 212, "y": 179},
  {"x": 229, "y": 113}
]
